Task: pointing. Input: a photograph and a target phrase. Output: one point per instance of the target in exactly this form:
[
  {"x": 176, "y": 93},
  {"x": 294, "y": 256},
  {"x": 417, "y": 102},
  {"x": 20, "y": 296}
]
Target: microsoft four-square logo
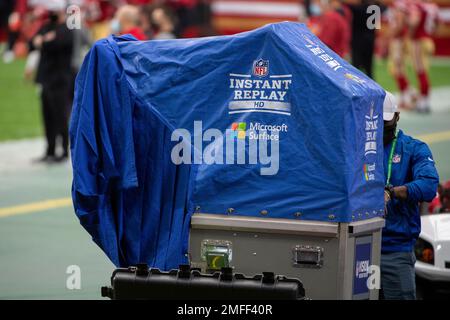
[{"x": 238, "y": 130}]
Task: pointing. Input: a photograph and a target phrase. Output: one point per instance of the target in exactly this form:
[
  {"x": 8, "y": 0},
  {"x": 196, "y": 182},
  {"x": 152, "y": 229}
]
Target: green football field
[
  {"x": 19, "y": 104},
  {"x": 40, "y": 237}
]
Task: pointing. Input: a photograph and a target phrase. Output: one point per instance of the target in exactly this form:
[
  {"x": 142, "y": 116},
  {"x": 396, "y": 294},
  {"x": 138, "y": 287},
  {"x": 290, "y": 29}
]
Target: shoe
[
  {"x": 406, "y": 101},
  {"x": 61, "y": 158},
  {"x": 423, "y": 105},
  {"x": 44, "y": 159},
  {"x": 425, "y": 110}
]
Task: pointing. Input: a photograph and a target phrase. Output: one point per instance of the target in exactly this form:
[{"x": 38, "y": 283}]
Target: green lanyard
[{"x": 391, "y": 156}]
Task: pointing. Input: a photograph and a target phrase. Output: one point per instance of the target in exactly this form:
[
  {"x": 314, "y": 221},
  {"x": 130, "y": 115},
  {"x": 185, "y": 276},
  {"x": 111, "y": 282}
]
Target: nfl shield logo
[
  {"x": 396, "y": 159},
  {"x": 261, "y": 68}
]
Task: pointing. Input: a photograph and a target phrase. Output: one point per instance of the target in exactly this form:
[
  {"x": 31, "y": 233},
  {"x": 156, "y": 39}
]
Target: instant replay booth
[{"x": 260, "y": 151}]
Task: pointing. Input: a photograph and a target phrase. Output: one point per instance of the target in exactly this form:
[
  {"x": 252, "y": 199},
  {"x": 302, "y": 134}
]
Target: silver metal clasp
[
  {"x": 307, "y": 256},
  {"x": 216, "y": 253}
]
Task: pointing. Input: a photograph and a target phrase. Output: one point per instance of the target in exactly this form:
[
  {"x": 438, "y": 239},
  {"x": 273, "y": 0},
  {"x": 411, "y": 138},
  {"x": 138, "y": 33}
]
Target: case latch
[{"x": 307, "y": 256}]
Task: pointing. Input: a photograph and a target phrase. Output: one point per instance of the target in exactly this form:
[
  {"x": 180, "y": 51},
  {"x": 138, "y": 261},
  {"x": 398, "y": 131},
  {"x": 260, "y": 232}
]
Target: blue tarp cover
[{"x": 270, "y": 123}]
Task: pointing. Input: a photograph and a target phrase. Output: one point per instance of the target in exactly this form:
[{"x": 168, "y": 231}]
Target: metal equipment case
[{"x": 331, "y": 259}]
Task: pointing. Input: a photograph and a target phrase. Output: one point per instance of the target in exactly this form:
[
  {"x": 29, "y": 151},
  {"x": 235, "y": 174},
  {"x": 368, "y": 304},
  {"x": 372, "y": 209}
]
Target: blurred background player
[
  {"x": 423, "y": 21},
  {"x": 126, "y": 21},
  {"x": 412, "y": 24},
  {"x": 6, "y": 17},
  {"x": 398, "y": 27},
  {"x": 330, "y": 21},
  {"x": 441, "y": 203},
  {"x": 145, "y": 20},
  {"x": 163, "y": 22},
  {"x": 12, "y": 14},
  {"x": 445, "y": 201}
]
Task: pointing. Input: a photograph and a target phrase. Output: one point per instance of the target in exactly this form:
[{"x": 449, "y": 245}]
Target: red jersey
[
  {"x": 334, "y": 31},
  {"x": 428, "y": 14},
  {"x": 434, "y": 204},
  {"x": 398, "y": 15},
  {"x": 136, "y": 32},
  {"x": 99, "y": 10}
]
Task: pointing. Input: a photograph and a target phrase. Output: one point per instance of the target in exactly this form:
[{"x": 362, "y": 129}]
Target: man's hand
[
  {"x": 49, "y": 36},
  {"x": 28, "y": 74},
  {"x": 401, "y": 192},
  {"x": 38, "y": 40},
  {"x": 390, "y": 192},
  {"x": 387, "y": 196}
]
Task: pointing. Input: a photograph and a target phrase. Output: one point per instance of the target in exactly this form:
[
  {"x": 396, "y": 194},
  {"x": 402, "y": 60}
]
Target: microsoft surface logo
[
  {"x": 366, "y": 173},
  {"x": 238, "y": 130},
  {"x": 369, "y": 172}
]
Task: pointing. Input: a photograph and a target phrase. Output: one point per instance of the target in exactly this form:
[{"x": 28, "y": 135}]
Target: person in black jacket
[
  {"x": 54, "y": 74},
  {"x": 363, "y": 37}
]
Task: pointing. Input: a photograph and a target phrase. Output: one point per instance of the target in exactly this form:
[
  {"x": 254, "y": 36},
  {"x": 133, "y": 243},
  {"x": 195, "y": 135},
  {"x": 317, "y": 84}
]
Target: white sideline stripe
[
  {"x": 240, "y": 75},
  {"x": 257, "y": 8},
  {"x": 282, "y": 76},
  {"x": 265, "y": 111}
]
